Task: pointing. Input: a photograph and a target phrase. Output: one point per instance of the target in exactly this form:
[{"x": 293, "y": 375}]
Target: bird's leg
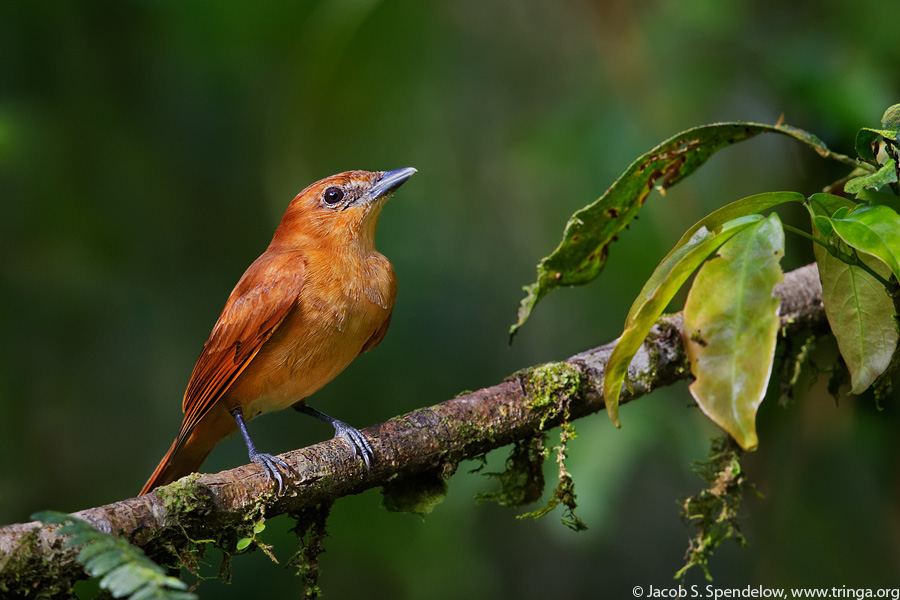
[
  {"x": 268, "y": 462},
  {"x": 358, "y": 442}
]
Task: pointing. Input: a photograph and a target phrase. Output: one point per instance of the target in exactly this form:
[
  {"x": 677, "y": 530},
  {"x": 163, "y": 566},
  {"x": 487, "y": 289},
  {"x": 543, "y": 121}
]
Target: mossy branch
[{"x": 172, "y": 523}]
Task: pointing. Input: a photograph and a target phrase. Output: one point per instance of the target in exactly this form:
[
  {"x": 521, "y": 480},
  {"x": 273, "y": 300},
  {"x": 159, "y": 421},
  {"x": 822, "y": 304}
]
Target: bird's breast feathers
[{"x": 325, "y": 330}]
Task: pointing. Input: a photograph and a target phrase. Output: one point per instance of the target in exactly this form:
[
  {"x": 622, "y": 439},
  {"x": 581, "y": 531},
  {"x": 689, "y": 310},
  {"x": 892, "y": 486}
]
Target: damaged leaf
[
  {"x": 583, "y": 251},
  {"x": 880, "y": 178}
]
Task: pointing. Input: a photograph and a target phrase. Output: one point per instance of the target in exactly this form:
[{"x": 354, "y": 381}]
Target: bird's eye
[{"x": 333, "y": 195}]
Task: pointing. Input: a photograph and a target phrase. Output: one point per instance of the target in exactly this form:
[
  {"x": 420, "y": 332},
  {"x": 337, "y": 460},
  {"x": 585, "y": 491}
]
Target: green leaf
[
  {"x": 731, "y": 326},
  {"x": 155, "y": 593},
  {"x": 582, "y": 253},
  {"x": 841, "y": 212},
  {"x": 103, "y": 562},
  {"x": 830, "y": 204},
  {"x": 126, "y": 568},
  {"x": 89, "y": 551},
  {"x": 873, "y": 230},
  {"x": 891, "y": 119},
  {"x": 865, "y": 144},
  {"x": 867, "y": 137},
  {"x": 148, "y": 593},
  {"x": 746, "y": 206},
  {"x": 887, "y": 133},
  {"x": 820, "y": 206},
  {"x": 861, "y": 315},
  {"x": 78, "y": 538},
  {"x": 823, "y": 225},
  {"x": 125, "y": 579},
  {"x": 243, "y": 543},
  {"x": 51, "y": 517},
  {"x": 875, "y": 198},
  {"x": 887, "y": 174},
  {"x": 668, "y": 277}
]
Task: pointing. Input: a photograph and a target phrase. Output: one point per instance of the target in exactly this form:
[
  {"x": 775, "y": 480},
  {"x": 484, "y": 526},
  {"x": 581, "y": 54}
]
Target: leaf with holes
[
  {"x": 582, "y": 253},
  {"x": 886, "y": 175},
  {"x": 731, "y": 326}
]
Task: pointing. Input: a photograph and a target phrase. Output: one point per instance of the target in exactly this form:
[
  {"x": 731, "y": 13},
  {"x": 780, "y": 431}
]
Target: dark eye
[{"x": 333, "y": 195}]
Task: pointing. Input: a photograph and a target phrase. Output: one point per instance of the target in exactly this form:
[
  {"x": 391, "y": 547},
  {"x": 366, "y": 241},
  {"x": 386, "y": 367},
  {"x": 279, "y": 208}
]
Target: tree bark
[{"x": 222, "y": 507}]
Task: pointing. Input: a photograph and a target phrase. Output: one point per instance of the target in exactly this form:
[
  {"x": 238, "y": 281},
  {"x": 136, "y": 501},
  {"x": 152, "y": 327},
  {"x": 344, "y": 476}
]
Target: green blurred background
[{"x": 148, "y": 149}]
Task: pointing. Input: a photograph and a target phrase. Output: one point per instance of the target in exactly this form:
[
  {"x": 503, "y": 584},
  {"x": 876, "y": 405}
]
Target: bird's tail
[{"x": 178, "y": 462}]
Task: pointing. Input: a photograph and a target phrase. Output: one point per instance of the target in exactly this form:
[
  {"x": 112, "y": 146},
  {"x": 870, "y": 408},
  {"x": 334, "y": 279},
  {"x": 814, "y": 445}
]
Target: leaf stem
[
  {"x": 851, "y": 259},
  {"x": 802, "y": 233}
]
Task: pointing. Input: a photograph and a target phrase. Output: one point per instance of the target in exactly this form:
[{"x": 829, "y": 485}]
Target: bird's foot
[
  {"x": 270, "y": 465},
  {"x": 359, "y": 445}
]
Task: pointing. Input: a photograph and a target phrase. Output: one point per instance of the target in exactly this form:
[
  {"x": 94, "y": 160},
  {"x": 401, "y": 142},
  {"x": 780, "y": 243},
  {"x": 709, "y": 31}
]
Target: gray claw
[
  {"x": 270, "y": 465},
  {"x": 358, "y": 442}
]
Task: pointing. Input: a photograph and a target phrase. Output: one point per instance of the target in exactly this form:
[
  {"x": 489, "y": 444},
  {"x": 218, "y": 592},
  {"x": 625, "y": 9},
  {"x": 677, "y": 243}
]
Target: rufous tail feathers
[{"x": 176, "y": 465}]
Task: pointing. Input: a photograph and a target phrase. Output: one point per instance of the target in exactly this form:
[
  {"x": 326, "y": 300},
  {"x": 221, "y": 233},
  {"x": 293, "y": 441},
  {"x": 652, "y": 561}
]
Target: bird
[{"x": 318, "y": 297}]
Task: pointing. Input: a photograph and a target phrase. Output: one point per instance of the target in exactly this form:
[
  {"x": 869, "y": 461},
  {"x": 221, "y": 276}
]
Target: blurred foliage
[
  {"x": 122, "y": 569},
  {"x": 148, "y": 149}
]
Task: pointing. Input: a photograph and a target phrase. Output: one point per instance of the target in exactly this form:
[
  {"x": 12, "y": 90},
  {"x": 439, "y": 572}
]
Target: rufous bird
[{"x": 319, "y": 296}]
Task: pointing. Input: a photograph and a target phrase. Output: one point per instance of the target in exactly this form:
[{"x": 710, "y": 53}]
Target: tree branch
[{"x": 221, "y": 508}]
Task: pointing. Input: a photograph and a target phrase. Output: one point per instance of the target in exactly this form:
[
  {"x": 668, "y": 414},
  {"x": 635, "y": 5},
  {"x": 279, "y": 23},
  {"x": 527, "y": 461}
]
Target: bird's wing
[
  {"x": 378, "y": 335},
  {"x": 258, "y": 305}
]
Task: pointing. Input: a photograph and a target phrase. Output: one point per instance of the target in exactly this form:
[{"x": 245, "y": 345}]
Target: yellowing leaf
[
  {"x": 666, "y": 280},
  {"x": 731, "y": 326}
]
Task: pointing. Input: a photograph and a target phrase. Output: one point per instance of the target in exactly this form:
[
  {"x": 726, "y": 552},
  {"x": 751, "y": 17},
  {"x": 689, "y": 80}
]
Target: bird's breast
[{"x": 337, "y": 312}]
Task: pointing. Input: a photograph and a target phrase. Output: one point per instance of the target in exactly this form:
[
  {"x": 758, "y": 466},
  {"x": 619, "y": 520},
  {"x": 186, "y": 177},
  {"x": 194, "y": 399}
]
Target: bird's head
[{"x": 341, "y": 209}]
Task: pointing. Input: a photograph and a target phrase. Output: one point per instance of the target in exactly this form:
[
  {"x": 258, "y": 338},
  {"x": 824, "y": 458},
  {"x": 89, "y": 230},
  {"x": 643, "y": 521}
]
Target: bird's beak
[{"x": 389, "y": 182}]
